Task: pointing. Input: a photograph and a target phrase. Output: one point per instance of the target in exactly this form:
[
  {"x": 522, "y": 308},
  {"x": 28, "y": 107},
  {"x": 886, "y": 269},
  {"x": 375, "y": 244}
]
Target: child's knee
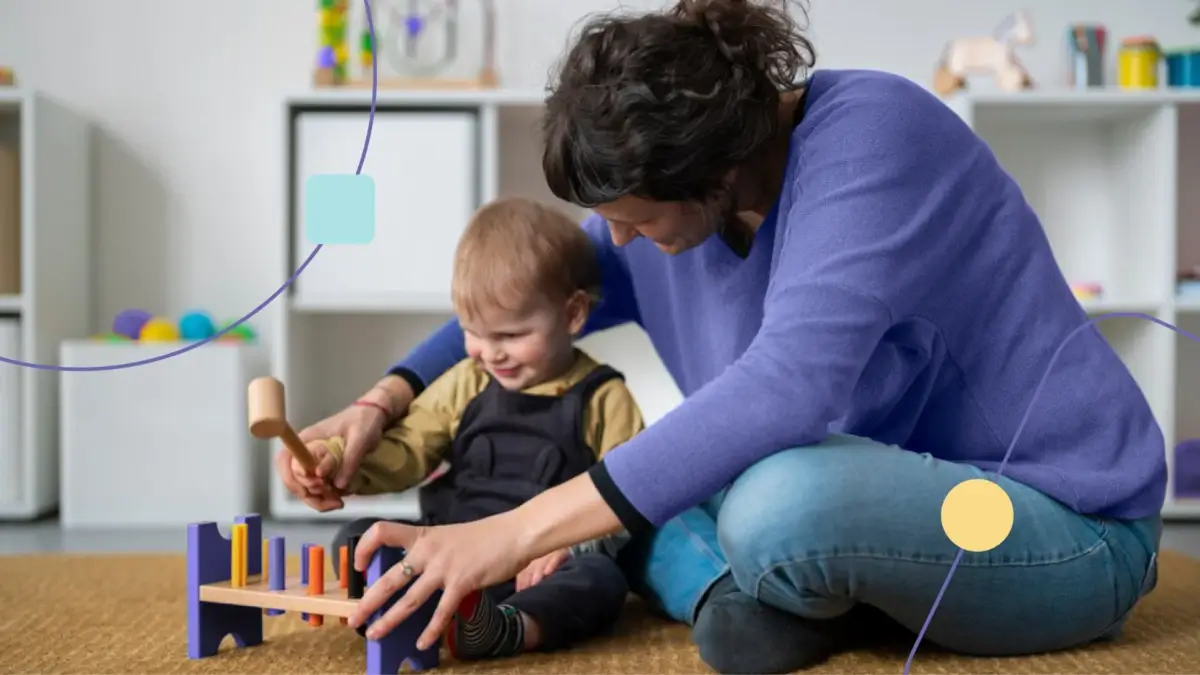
[{"x": 603, "y": 576}]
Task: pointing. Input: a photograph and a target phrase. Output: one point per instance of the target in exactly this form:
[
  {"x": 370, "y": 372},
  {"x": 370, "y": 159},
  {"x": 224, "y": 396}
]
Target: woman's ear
[
  {"x": 578, "y": 307},
  {"x": 731, "y": 178}
]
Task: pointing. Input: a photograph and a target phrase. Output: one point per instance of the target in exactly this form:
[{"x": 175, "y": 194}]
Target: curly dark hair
[{"x": 661, "y": 106}]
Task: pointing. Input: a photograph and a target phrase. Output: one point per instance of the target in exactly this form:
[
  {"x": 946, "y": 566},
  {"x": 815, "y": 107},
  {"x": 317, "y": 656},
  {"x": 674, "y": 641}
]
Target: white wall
[{"x": 186, "y": 95}]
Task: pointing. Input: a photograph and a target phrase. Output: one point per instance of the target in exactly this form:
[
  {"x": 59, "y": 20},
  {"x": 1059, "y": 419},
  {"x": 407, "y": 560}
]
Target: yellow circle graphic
[{"x": 977, "y": 515}]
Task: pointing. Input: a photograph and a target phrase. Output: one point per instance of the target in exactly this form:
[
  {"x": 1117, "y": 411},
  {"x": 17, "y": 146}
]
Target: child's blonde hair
[{"x": 514, "y": 249}]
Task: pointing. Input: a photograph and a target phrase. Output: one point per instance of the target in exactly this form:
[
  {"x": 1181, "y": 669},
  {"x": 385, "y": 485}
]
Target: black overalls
[{"x": 511, "y": 446}]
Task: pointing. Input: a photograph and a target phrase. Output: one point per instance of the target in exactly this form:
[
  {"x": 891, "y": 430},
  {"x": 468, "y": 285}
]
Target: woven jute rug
[{"x": 127, "y": 614}]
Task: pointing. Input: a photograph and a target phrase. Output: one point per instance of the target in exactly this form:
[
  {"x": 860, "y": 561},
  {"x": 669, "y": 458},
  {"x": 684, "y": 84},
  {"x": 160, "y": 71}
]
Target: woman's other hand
[
  {"x": 460, "y": 559},
  {"x": 457, "y": 559}
]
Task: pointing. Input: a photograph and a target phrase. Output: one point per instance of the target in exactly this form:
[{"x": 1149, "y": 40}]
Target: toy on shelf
[
  {"x": 158, "y": 330},
  {"x": 7, "y": 77},
  {"x": 1087, "y": 291},
  {"x": 1137, "y": 63},
  {"x": 987, "y": 55},
  {"x": 333, "y": 54},
  {"x": 128, "y": 323},
  {"x": 233, "y": 582},
  {"x": 402, "y": 40},
  {"x": 1183, "y": 67},
  {"x": 137, "y": 325},
  {"x": 1085, "y": 48},
  {"x": 196, "y": 326},
  {"x": 239, "y": 333}
]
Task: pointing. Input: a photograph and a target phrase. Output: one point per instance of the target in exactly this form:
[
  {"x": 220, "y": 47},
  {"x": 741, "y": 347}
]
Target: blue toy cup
[{"x": 1183, "y": 68}]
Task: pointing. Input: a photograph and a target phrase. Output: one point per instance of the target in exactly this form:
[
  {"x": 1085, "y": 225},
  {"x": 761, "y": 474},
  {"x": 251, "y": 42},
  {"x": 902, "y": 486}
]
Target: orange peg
[
  {"x": 344, "y": 567},
  {"x": 344, "y": 573},
  {"x": 316, "y": 579}
]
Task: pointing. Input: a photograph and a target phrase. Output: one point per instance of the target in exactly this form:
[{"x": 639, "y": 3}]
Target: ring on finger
[{"x": 406, "y": 569}]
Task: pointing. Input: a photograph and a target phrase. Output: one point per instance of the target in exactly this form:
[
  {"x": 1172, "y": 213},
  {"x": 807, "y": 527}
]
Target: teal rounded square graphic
[{"x": 339, "y": 209}]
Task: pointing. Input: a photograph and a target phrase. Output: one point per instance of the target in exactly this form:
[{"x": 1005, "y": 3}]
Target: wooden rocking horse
[{"x": 988, "y": 55}]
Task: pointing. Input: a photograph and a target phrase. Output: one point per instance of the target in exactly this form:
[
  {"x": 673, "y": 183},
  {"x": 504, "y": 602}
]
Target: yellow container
[{"x": 1137, "y": 63}]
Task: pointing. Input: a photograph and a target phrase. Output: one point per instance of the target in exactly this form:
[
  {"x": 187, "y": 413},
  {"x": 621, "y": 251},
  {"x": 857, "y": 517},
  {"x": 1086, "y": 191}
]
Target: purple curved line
[
  {"x": 292, "y": 279},
  {"x": 1028, "y": 411}
]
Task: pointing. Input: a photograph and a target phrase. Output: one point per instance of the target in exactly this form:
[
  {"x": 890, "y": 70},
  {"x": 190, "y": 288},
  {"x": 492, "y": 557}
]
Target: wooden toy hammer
[{"x": 267, "y": 419}]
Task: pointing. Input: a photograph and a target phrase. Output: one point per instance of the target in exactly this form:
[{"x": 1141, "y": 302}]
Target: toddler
[{"x": 525, "y": 411}]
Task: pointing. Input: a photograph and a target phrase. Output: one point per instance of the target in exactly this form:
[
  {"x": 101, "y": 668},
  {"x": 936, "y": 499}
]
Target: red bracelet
[{"x": 387, "y": 414}]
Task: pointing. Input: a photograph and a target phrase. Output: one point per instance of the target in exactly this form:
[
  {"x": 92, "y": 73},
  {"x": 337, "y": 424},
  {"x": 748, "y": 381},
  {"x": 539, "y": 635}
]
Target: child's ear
[{"x": 577, "y": 311}]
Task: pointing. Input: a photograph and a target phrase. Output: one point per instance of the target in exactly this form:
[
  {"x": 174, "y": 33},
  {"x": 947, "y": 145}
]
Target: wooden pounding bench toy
[{"x": 233, "y": 582}]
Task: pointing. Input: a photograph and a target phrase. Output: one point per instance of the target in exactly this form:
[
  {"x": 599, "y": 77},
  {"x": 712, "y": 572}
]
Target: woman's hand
[
  {"x": 463, "y": 558},
  {"x": 360, "y": 425},
  {"x": 458, "y": 559}
]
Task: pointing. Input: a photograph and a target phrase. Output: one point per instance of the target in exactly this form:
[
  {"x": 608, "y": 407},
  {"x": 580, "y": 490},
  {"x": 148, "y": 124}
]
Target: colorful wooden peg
[
  {"x": 277, "y": 579},
  {"x": 304, "y": 572},
  {"x": 238, "y": 556},
  {"x": 343, "y": 573},
  {"x": 355, "y": 582},
  {"x": 316, "y": 579}
]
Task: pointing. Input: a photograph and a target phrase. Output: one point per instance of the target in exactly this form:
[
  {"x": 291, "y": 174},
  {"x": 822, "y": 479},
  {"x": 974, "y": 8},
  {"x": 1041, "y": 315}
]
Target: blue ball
[{"x": 196, "y": 326}]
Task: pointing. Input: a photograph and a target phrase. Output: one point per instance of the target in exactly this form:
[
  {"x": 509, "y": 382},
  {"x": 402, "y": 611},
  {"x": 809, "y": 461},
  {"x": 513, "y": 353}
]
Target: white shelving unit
[
  {"x": 1111, "y": 174},
  {"x": 435, "y": 157},
  {"x": 53, "y": 301}
]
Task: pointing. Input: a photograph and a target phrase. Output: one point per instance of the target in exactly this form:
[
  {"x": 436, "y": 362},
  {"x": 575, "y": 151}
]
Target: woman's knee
[
  {"x": 794, "y": 498},
  {"x": 793, "y": 524}
]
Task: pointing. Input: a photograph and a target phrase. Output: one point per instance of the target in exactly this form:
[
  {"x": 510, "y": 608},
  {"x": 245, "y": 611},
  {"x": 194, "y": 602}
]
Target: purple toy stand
[
  {"x": 208, "y": 562},
  {"x": 399, "y": 646}
]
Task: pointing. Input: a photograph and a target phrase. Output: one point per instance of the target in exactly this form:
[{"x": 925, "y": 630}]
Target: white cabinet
[
  {"x": 181, "y": 422},
  {"x": 354, "y": 308},
  {"x": 12, "y": 484},
  {"x": 423, "y": 163}
]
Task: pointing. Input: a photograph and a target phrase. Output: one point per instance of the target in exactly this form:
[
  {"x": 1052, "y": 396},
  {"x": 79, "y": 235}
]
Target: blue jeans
[{"x": 816, "y": 530}]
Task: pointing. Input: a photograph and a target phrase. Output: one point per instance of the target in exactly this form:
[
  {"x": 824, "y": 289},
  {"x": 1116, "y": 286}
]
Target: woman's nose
[{"x": 622, "y": 235}]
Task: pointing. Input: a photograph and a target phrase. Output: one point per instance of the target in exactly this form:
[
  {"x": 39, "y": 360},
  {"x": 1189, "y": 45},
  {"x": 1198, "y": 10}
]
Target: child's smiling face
[{"x": 526, "y": 347}]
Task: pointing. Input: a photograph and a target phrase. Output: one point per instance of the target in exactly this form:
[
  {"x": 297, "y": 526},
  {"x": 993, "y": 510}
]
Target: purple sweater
[{"x": 901, "y": 290}]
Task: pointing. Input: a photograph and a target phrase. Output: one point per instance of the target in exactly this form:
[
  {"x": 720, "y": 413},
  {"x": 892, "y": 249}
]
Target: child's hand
[
  {"x": 315, "y": 489},
  {"x": 541, "y": 568}
]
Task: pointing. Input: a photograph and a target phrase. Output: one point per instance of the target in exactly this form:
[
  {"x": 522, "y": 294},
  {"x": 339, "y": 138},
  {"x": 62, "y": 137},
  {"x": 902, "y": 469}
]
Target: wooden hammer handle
[{"x": 298, "y": 449}]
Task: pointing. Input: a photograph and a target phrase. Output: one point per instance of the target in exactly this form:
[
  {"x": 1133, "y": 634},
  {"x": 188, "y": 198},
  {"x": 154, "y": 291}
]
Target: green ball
[{"x": 242, "y": 333}]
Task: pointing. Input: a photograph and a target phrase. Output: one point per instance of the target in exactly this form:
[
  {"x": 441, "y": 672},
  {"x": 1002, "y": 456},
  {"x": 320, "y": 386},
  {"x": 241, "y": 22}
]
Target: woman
[{"x": 858, "y": 304}]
